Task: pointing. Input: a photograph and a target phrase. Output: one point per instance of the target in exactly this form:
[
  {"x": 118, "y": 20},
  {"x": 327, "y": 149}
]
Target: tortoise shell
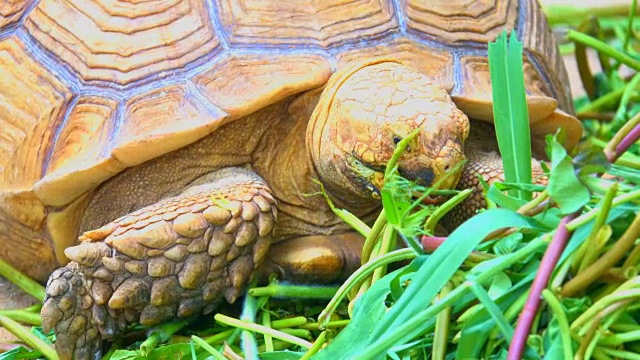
[{"x": 90, "y": 88}]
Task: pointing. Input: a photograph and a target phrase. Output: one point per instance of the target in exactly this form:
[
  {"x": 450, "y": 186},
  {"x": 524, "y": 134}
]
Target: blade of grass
[
  {"x": 493, "y": 309},
  {"x": 446, "y": 260},
  {"x": 510, "y": 111},
  {"x": 24, "y": 316},
  {"x": 629, "y": 33},
  {"x": 563, "y": 323},
  {"x": 22, "y": 281},
  {"x": 317, "y": 345},
  {"x": 441, "y": 331},
  {"x": 244, "y": 325},
  {"x": 160, "y": 334},
  {"x": 276, "y": 289},
  {"x": 362, "y": 273},
  {"x": 28, "y": 337},
  {"x": 604, "y": 48},
  {"x": 208, "y": 348}
]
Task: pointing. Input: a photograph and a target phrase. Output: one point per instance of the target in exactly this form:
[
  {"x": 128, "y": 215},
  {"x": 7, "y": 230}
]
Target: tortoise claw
[{"x": 69, "y": 310}]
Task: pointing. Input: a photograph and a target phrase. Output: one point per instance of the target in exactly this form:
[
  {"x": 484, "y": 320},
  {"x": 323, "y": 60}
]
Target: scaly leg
[
  {"x": 179, "y": 257},
  {"x": 489, "y": 166}
]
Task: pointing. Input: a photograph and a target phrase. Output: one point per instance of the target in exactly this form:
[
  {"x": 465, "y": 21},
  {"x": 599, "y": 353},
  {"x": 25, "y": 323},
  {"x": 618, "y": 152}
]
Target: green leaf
[
  {"x": 508, "y": 244},
  {"x": 500, "y": 285},
  {"x": 503, "y": 200},
  {"x": 374, "y": 329},
  {"x": 396, "y": 283},
  {"x": 281, "y": 355},
  {"x": 20, "y": 353},
  {"x": 511, "y": 116},
  {"x": 475, "y": 331},
  {"x": 368, "y": 310},
  {"x": 494, "y": 311},
  {"x": 444, "y": 262},
  {"x": 126, "y": 355},
  {"x": 565, "y": 189}
]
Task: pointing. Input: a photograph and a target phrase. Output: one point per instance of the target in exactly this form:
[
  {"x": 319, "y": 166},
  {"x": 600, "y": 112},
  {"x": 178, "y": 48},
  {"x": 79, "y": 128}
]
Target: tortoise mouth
[
  {"x": 370, "y": 177},
  {"x": 374, "y": 181}
]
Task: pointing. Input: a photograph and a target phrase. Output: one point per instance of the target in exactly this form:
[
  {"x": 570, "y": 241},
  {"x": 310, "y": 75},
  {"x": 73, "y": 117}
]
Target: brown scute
[
  {"x": 246, "y": 235},
  {"x": 234, "y": 206},
  {"x": 315, "y": 22},
  {"x": 160, "y": 267},
  {"x": 249, "y": 209},
  {"x": 101, "y": 292},
  {"x": 165, "y": 291},
  {"x": 189, "y": 307},
  {"x": 136, "y": 267},
  {"x": 153, "y": 315},
  {"x": 540, "y": 44},
  {"x": 11, "y": 11},
  {"x": 243, "y": 84},
  {"x": 31, "y": 110},
  {"x": 233, "y": 225},
  {"x": 88, "y": 254},
  {"x": 193, "y": 273},
  {"x": 101, "y": 233},
  {"x": 113, "y": 264},
  {"x": 240, "y": 270},
  {"x": 266, "y": 222},
  {"x": 190, "y": 225},
  {"x": 233, "y": 252},
  {"x": 216, "y": 215},
  {"x": 439, "y": 68},
  {"x": 104, "y": 41},
  {"x": 132, "y": 293},
  {"x": 129, "y": 246},
  {"x": 456, "y": 21},
  {"x": 220, "y": 242},
  {"x": 200, "y": 243}
]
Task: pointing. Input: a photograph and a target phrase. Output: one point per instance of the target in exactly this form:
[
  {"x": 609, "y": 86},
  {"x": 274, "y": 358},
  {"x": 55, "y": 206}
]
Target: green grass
[
  {"x": 552, "y": 277},
  {"x": 511, "y": 116}
]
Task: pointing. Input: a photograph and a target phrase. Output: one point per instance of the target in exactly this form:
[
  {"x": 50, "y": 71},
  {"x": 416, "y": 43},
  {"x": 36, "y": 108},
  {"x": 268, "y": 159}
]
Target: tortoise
[{"x": 176, "y": 140}]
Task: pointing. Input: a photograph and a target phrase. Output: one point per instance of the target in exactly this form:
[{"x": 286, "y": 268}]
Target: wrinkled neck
[
  {"x": 330, "y": 166},
  {"x": 284, "y": 161}
]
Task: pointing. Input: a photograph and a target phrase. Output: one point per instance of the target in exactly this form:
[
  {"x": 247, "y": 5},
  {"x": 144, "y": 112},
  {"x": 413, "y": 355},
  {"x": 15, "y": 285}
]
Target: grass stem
[
  {"x": 584, "y": 278},
  {"x": 248, "y": 326}
]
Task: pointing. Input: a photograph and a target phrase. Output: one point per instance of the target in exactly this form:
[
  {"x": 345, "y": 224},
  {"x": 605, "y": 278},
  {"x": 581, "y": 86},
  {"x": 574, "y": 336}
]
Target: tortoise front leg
[
  {"x": 179, "y": 257},
  {"x": 317, "y": 259},
  {"x": 489, "y": 166}
]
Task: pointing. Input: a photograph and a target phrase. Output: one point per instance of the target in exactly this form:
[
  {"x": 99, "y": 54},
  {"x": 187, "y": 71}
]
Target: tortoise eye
[{"x": 396, "y": 139}]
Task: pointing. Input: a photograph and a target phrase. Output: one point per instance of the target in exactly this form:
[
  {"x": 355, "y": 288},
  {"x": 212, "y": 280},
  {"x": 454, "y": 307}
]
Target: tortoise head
[{"x": 364, "y": 112}]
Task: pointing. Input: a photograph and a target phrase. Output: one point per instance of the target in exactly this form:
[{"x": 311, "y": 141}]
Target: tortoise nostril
[{"x": 421, "y": 176}]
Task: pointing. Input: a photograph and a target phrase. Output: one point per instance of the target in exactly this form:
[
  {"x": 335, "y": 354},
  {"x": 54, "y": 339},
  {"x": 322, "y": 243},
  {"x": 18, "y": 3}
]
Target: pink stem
[
  {"x": 547, "y": 265},
  {"x": 431, "y": 243},
  {"x": 626, "y": 142}
]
